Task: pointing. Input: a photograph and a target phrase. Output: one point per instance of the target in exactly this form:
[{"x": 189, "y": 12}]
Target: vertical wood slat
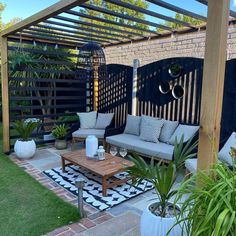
[
  {"x": 5, "y": 94},
  {"x": 213, "y": 82}
]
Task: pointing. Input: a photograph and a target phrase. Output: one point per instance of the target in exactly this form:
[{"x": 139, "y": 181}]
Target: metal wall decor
[
  {"x": 175, "y": 70},
  {"x": 164, "y": 87},
  {"x": 178, "y": 91}
]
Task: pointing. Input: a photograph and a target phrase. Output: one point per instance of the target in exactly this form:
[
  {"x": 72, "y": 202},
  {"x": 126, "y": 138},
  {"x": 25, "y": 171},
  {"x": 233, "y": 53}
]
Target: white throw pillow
[
  {"x": 133, "y": 125},
  {"x": 103, "y": 120},
  {"x": 87, "y": 119},
  {"x": 167, "y": 130},
  {"x": 150, "y": 129},
  {"x": 187, "y": 130},
  {"x": 224, "y": 152}
]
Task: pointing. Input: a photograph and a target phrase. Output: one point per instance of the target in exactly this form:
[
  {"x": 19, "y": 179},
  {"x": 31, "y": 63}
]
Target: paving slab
[{"x": 116, "y": 226}]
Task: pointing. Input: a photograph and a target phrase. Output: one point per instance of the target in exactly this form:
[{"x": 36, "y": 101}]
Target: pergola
[{"x": 63, "y": 23}]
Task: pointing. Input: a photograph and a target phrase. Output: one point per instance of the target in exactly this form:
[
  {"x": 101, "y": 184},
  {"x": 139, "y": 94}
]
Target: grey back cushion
[
  {"x": 103, "y": 120},
  {"x": 187, "y": 130},
  {"x": 167, "y": 130},
  {"x": 133, "y": 125},
  {"x": 224, "y": 152},
  {"x": 150, "y": 129},
  {"x": 87, "y": 119}
]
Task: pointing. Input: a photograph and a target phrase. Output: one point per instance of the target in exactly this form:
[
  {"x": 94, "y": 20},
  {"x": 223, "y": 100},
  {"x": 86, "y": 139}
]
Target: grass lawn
[{"x": 26, "y": 207}]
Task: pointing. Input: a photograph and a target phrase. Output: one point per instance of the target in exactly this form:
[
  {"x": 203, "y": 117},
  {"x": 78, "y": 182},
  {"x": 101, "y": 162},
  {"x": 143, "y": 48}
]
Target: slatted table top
[{"x": 108, "y": 167}]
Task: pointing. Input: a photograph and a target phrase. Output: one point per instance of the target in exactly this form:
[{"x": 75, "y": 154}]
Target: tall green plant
[
  {"x": 209, "y": 208},
  {"x": 24, "y": 129},
  {"x": 162, "y": 176}
]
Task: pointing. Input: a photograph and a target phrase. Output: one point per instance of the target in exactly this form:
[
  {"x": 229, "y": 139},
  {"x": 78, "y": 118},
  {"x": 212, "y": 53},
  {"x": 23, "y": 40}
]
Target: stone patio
[{"x": 121, "y": 220}]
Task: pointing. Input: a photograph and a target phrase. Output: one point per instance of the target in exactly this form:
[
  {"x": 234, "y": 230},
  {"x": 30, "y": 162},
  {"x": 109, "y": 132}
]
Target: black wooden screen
[
  {"x": 115, "y": 92},
  {"x": 152, "y": 102},
  {"x": 67, "y": 92}
]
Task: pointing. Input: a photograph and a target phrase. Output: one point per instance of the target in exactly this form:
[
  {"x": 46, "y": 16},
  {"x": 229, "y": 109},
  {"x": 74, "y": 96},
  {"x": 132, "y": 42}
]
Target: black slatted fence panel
[
  {"x": 115, "y": 92},
  {"x": 67, "y": 93},
  {"x": 152, "y": 102}
]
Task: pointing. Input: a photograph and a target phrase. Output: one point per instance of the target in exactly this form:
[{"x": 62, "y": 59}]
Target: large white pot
[
  {"x": 25, "y": 149},
  {"x": 152, "y": 225}
]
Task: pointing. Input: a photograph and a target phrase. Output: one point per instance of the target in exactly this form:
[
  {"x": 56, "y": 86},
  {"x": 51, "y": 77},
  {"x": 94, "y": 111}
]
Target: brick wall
[{"x": 185, "y": 45}]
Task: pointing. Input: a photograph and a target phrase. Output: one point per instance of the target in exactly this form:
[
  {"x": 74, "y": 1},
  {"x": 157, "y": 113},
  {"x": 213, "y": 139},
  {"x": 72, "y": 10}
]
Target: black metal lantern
[{"x": 92, "y": 59}]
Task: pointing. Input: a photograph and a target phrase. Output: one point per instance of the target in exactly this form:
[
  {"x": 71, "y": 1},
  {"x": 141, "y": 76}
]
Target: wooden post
[
  {"x": 5, "y": 95},
  {"x": 136, "y": 64},
  {"x": 213, "y": 82}
]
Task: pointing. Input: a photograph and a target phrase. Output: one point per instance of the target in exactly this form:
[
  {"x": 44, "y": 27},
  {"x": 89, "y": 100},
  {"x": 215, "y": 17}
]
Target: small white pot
[
  {"x": 152, "y": 225},
  {"x": 25, "y": 149}
]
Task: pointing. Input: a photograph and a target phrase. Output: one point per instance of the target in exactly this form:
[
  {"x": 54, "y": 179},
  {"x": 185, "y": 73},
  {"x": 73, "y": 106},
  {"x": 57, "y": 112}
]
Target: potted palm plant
[
  {"x": 59, "y": 132},
  {"x": 209, "y": 207},
  {"x": 25, "y": 147},
  {"x": 159, "y": 217}
]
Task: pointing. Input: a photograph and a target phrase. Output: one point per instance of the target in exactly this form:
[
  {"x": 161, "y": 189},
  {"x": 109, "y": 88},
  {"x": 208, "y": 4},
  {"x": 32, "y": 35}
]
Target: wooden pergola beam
[
  {"x": 213, "y": 82},
  {"x": 5, "y": 95},
  {"x": 51, "y": 11},
  {"x": 177, "y": 9}
]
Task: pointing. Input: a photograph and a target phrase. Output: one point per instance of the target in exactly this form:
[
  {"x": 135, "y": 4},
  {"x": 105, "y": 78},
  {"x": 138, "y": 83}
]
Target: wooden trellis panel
[
  {"x": 115, "y": 92},
  {"x": 68, "y": 92},
  {"x": 152, "y": 102}
]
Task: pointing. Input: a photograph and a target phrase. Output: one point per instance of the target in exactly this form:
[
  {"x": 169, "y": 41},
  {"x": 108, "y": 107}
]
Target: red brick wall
[{"x": 189, "y": 44}]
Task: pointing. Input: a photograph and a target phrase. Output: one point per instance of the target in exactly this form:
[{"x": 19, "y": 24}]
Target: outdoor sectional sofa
[
  {"x": 92, "y": 123},
  {"x": 223, "y": 155},
  {"x": 143, "y": 136}
]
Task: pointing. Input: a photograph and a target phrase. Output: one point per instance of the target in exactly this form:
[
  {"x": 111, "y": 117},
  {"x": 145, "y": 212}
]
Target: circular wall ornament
[
  {"x": 175, "y": 70},
  {"x": 178, "y": 91},
  {"x": 164, "y": 87}
]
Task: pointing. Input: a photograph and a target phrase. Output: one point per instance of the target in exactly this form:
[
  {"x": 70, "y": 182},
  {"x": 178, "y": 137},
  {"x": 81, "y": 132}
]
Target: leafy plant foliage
[
  {"x": 162, "y": 176},
  {"x": 25, "y": 129},
  {"x": 59, "y": 132}
]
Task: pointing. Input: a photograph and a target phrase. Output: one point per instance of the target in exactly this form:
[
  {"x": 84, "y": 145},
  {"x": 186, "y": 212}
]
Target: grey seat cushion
[
  {"x": 134, "y": 143},
  {"x": 167, "y": 130},
  {"x": 83, "y": 133},
  {"x": 224, "y": 152},
  {"x": 191, "y": 165},
  {"x": 133, "y": 125}
]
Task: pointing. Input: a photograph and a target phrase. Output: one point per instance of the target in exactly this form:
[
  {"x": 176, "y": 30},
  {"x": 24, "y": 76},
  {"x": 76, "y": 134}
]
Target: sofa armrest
[
  {"x": 72, "y": 129},
  {"x": 114, "y": 131}
]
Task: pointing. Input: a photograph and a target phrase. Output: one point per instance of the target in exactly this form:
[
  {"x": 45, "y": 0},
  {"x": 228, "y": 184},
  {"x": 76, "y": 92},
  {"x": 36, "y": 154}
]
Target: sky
[{"x": 25, "y": 8}]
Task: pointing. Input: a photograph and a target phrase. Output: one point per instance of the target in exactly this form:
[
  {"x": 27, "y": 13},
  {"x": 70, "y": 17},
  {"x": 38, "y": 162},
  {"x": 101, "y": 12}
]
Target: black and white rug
[{"x": 92, "y": 192}]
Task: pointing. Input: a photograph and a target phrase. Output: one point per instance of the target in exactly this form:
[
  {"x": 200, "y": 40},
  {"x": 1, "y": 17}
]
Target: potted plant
[
  {"x": 159, "y": 217},
  {"x": 25, "y": 147},
  {"x": 59, "y": 132},
  {"x": 19, "y": 60},
  {"x": 209, "y": 207}
]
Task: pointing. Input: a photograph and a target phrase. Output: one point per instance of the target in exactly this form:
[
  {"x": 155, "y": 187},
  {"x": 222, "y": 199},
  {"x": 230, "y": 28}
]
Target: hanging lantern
[{"x": 92, "y": 58}]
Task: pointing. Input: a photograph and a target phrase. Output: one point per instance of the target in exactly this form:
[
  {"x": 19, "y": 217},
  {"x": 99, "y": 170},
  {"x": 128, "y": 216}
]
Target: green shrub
[
  {"x": 60, "y": 131},
  {"x": 24, "y": 129}
]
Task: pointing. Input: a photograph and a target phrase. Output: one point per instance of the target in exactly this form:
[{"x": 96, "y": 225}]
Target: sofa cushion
[
  {"x": 150, "y": 129},
  {"x": 87, "y": 119},
  {"x": 134, "y": 143},
  {"x": 133, "y": 125},
  {"x": 167, "y": 130},
  {"x": 83, "y": 133},
  {"x": 191, "y": 165},
  {"x": 103, "y": 120},
  {"x": 224, "y": 152},
  {"x": 187, "y": 130}
]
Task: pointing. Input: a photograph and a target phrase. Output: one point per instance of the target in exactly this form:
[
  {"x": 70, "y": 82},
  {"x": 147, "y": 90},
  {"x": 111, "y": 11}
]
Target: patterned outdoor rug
[{"x": 92, "y": 192}]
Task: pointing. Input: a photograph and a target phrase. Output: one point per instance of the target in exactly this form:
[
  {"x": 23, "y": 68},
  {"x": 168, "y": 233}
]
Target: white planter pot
[
  {"x": 152, "y": 225},
  {"x": 25, "y": 149}
]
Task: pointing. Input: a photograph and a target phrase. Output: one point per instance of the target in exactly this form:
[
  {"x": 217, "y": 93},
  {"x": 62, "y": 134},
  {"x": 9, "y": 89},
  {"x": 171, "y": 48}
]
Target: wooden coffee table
[{"x": 105, "y": 169}]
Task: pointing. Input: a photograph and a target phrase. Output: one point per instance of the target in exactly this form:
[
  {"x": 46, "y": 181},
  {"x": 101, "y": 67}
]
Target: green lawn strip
[{"x": 27, "y": 207}]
